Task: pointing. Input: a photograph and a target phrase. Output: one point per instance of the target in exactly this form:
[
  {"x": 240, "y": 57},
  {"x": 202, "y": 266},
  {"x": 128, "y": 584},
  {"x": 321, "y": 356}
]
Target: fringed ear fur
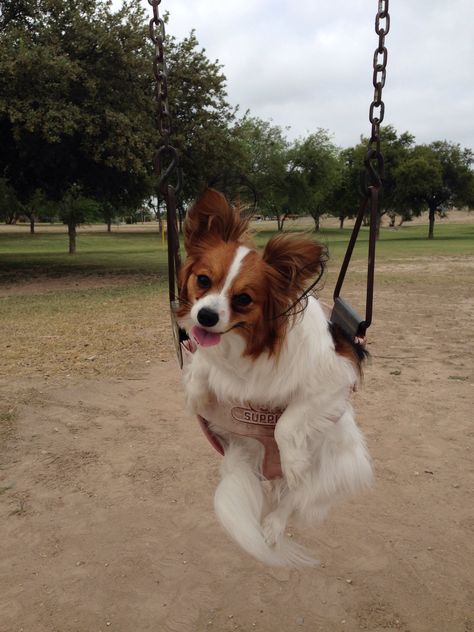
[
  {"x": 212, "y": 216},
  {"x": 296, "y": 260},
  {"x": 184, "y": 274}
]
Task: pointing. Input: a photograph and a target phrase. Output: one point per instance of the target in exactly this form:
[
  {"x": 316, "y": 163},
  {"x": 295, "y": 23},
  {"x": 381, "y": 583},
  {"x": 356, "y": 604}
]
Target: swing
[{"x": 248, "y": 420}]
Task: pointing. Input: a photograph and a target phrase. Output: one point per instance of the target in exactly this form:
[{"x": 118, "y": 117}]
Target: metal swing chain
[
  {"x": 166, "y": 162},
  {"x": 378, "y": 80},
  {"x": 343, "y": 314},
  {"x": 166, "y": 152}
]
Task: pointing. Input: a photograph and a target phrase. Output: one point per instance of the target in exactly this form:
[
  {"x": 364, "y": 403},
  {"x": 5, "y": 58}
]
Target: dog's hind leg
[{"x": 274, "y": 524}]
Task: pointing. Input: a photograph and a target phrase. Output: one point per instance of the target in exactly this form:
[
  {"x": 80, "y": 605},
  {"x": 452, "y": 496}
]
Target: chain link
[
  {"x": 374, "y": 163},
  {"x": 166, "y": 159}
]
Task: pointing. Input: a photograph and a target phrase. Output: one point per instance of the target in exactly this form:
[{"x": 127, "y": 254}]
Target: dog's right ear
[{"x": 211, "y": 217}]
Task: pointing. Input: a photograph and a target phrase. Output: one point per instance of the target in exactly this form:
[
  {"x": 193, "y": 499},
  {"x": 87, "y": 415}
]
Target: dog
[{"x": 260, "y": 337}]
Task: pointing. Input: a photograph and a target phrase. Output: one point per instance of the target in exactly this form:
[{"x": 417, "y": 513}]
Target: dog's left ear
[
  {"x": 212, "y": 216},
  {"x": 295, "y": 259}
]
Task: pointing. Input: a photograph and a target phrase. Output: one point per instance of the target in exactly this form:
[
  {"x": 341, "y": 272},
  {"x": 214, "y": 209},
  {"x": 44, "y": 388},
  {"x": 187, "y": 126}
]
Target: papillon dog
[{"x": 261, "y": 339}]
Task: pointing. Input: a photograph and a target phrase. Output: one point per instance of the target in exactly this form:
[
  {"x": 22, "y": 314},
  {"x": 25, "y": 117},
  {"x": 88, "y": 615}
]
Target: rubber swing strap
[{"x": 343, "y": 314}]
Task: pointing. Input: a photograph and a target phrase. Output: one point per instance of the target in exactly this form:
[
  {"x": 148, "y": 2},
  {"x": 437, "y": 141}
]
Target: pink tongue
[{"x": 205, "y": 338}]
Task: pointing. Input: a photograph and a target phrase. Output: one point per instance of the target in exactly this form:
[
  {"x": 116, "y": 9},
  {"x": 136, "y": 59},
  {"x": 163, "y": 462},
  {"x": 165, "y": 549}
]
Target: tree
[
  {"x": 75, "y": 209},
  {"x": 436, "y": 177},
  {"x": 345, "y": 193},
  {"x": 395, "y": 149},
  {"x": 262, "y": 153},
  {"x": 315, "y": 160},
  {"x": 201, "y": 115},
  {"x": 34, "y": 207},
  {"x": 75, "y": 100}
]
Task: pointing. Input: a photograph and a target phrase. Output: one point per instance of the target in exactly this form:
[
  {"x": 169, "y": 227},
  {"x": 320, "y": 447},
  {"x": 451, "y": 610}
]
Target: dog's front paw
[{"x": 295, "y": 469}]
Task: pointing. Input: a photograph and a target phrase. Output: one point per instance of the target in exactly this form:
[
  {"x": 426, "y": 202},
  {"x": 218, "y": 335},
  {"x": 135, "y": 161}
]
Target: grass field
[{"x": 142, "y": 253}]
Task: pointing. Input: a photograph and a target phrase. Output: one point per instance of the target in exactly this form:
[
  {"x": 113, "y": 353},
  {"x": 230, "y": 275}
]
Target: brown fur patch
[
  {"x": 257, "y": 322},
  {"x": 214, "y": 262},
  {"x": 211, "y": 216},
  {"x": 347, "y": 349}
]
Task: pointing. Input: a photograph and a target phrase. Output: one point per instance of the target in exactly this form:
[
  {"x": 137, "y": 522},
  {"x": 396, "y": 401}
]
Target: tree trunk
[
  {"x": 317, "y": 223},
  {"x": 432, "y": 222},
  {"x": 109, "y": 225},
  {"x": 341, "y": 222},
  {"x": 71, "y": 229},
  {"x": 32, "y": 225}
]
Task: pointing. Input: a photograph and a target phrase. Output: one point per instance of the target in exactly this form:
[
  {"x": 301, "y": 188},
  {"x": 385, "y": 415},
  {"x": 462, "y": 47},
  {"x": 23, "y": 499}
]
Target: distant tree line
[{"x": 78, "y": 131}]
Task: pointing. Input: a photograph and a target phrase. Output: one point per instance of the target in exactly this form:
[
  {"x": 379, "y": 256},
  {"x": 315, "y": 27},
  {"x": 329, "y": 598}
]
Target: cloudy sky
[{"x": 307, "y": 64}]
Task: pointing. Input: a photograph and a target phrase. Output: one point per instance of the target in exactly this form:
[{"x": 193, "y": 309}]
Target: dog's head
[{"x": 228, "y": 288}]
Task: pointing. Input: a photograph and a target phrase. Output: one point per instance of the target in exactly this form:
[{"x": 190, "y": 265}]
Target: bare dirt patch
[{"x": 106, "y": 492}]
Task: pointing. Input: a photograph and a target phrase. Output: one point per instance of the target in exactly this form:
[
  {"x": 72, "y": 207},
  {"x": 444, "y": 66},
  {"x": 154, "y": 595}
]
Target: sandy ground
[{"x": 106, "y": 492}]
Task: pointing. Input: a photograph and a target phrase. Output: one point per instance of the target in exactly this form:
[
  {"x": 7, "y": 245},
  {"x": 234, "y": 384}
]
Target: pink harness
[
  {"x": 263, "y": 431},
  {"x": 244, "y": 421}
]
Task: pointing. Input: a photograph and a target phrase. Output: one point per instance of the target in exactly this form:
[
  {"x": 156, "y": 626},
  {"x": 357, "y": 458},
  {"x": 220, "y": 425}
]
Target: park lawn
[
  {"x": 23, "y": 255},
  {"x": 28, "y": 256},
  {"x": 397, "y": 243}
]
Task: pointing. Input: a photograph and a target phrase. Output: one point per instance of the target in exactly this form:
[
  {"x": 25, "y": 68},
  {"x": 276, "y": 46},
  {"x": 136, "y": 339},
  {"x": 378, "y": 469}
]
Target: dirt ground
[{"x": 106, "y": 490}]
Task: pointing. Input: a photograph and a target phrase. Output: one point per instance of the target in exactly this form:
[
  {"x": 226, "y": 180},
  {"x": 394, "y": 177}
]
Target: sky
[{"x": 307, "y": 64}]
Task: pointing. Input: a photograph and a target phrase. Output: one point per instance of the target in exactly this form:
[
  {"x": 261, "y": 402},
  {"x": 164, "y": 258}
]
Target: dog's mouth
[{"x": 207, "y": 338}]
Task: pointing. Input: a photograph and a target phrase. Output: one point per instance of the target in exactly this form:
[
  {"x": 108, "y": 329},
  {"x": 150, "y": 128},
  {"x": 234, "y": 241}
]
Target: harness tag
[{"x": 258, "y": 416}]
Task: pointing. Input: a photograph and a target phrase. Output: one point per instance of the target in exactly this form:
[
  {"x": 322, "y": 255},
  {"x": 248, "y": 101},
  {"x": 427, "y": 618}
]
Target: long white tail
[{"x": 239, "y": 503}]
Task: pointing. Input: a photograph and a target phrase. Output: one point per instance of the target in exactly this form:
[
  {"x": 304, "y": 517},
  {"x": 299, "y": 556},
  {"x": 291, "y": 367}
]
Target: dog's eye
[
  {"x": 204, "y": 281},
  {"x": 241, "y": 300}
]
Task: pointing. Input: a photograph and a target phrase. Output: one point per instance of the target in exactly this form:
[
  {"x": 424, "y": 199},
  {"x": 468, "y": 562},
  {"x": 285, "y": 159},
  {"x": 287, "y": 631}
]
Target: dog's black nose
[{"x": 207, "y": 317}]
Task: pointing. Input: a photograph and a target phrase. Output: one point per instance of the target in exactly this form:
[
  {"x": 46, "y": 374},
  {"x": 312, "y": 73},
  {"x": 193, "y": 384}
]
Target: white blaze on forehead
[
  {"x": 242, "y": 252},
  {"x": 218, "y": 301}
]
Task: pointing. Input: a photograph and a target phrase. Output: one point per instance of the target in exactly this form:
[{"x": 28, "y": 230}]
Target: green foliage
[
  {"x": 456, "y": 168},
  {"x": 75, "y": 106},
  {"x": 201, "y": 114},
  {"x": 75, "y": 208},
  {"x": 315, "y": 164},
  {"x": 10, "y": 206},
  {"x": 345, "y": 194},
  {"x": 263, "y": 154},
  {"x": 395, "y": 149},
  {"x": 435, "y": 177}
]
